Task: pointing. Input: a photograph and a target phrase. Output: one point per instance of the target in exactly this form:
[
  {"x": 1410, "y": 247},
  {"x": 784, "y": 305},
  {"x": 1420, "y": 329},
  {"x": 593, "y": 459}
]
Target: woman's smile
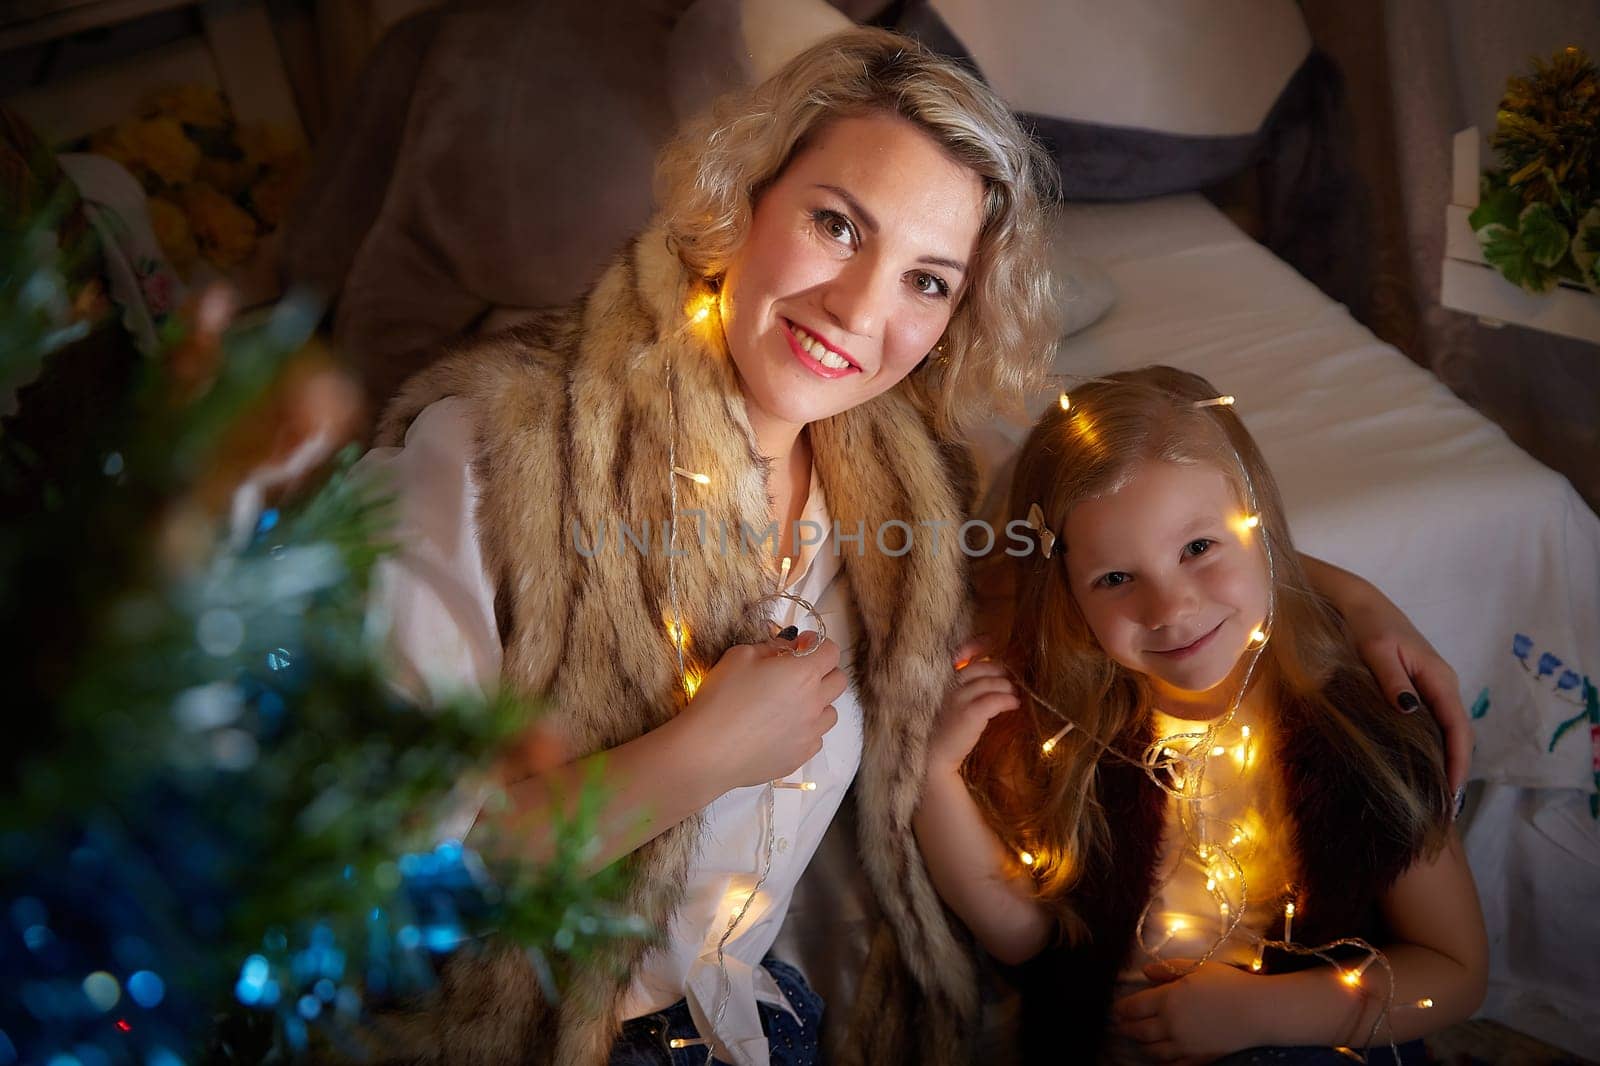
[{"x": 816, "y": 354}]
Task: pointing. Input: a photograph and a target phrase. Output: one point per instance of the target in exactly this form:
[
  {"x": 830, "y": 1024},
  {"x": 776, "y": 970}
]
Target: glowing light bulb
[
  {"x": 1425, "y": 1003},
  {"x": 801, "y": 786},
  {"x": 1065, "y": 401},
  {"x": 1288, "y": 920},
  {"x": 698, "y": 479},
  {"x": 1216, "y": 401},
  {"x": 1351, "y": 978},
  {"x": 1026, "y": 857},
  {"x": 1258, "y": 636},
  {"x": 1050, "y": 745},
  {"x": 1219, "y": 750}
]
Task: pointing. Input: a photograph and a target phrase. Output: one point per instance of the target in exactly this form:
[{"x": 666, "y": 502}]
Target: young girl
[{"x": 1174, "y": 787}]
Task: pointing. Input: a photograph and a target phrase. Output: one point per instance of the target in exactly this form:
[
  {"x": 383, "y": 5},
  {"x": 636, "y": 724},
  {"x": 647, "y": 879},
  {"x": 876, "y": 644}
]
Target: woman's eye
[
  {"x": 930, "y": 284},
  {"x": 835, "y": 225},
  {"x": 1113, "y": 579},
  {"x": 1197, "y": 547}
]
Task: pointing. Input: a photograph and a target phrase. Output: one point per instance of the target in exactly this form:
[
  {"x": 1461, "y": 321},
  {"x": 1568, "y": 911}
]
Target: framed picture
[{"x": 226, "y": 174}]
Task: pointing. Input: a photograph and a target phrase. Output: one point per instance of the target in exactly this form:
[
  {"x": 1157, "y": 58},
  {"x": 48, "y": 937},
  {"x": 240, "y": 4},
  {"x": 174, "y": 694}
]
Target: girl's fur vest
[{"x": 572, "y": 430}]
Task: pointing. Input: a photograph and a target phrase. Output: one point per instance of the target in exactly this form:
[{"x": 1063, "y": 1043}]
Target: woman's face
[{"x": 856, "y": 257}]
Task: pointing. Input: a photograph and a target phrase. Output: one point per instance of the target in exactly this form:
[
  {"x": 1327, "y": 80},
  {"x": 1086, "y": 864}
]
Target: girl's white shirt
[{"x": 439, "y": 605}]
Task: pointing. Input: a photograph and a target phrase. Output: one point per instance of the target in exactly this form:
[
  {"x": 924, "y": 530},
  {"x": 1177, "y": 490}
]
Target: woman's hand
[
  {"x": 983, "y": 690},
  {"x": 1194, "y": 1018},
  {"x": 1402, "y": 660},
  {"x": 760, "y": 712}
]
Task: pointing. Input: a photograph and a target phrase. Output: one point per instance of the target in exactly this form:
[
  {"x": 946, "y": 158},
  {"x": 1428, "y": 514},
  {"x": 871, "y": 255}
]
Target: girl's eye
[
  {"x": 1197, "y": 547},
  {"x": 835, "y": 226},
  {"x": 1113, "y": 579},
  {"x": 931, "y": 284}
]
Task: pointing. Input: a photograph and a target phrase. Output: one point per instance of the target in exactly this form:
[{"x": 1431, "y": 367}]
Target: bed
[{"x": 1495, "y": 557}]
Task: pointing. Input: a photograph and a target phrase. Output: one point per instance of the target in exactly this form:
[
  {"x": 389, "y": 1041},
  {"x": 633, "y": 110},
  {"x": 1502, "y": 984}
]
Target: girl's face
[
  {"x": 856, "y": 257},
  {"x": 1168, "y": 577}
]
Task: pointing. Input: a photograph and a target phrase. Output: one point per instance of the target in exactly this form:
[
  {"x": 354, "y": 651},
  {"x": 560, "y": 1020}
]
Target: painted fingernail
[
  {"x": 788, "y": 632},
  {"x": 1461, "y": 802},
  {"x": 1408, "y": 702}
]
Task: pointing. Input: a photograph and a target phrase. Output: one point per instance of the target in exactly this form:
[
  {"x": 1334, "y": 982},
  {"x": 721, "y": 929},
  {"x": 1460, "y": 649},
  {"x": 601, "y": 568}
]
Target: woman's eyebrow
[{"x": 871, "y": 225}]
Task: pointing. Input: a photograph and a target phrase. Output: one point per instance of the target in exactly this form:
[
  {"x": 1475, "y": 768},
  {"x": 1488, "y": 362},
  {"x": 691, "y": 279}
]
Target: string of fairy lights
[
  {"x": 700, "y": 311},
  {"x": 1178, "y": 764}
]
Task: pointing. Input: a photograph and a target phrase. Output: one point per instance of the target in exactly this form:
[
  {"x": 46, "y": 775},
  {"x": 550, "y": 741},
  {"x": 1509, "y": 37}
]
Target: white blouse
[{"x": 440, "y": 606}]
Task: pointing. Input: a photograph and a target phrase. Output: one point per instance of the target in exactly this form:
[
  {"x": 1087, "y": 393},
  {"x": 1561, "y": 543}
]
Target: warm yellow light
[
  {"x": 1218, "y": 750},
  {"x": 1351, "y": 978},
  {"x": 1050, "y": 745},
  {"x": 1223, "y": 909},
  {"x": 1255, "y": 963},
  {"x": 677, "y": 632},
  {"x": 1065, "y": 402},
  {"x": 1288, "y": 909},
  {"x": 1026, "y": 857},
  {"x": 1244, "y": 731},
  {"x": 698, "y": 479},
  {"x": 1211, "y": 884},
  {"x": 1217, "y": 401},
  {"x": 702, "y": 307},
  {"x": 1425, "y": 1002},
  {"x": 1258, "y": 636},
  {"x": 1177, "y": 925},
  {"x": 691, "y": 683}
]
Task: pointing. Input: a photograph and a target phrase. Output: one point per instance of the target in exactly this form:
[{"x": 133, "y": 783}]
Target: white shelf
[{"x": 1469, "y": 284}]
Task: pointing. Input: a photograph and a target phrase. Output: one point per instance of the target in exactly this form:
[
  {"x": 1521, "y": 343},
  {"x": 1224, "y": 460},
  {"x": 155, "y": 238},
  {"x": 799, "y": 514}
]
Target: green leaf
[
  {"x": 1504, "y": 250},
  {"x": 1498, "y": 206},
  {"x": 1543, "y": 235},
  {"x": 1586, "y": 248}
]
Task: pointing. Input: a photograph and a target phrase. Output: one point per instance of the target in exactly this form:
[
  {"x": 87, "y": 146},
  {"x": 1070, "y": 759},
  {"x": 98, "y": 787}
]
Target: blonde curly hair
[{"x": 1002, "y": 333}]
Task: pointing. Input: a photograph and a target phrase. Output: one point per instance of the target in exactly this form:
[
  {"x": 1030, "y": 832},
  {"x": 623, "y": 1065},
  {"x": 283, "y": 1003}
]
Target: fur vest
[
  {"x": 572, "y": 425},
  {"x": 1344, "y": 851}
]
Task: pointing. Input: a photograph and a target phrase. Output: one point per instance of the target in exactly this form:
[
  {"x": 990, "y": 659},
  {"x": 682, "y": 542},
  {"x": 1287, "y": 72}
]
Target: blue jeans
[
  {"x": 792, "y": 1042},
  {"x": 1411, "y": 1054}
]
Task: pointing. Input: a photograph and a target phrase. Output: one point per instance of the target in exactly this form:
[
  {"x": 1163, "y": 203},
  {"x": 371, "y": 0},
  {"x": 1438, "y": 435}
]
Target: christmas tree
[{"x": 213, "y": 803}]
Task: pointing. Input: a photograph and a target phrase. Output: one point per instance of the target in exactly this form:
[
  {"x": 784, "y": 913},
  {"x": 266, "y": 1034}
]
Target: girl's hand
[
  {"x": 1190, "y": 1015},
  {"x": 983, "y": 690},
  {"x": 760, "y": 713},
  {"x": 1406, "y": 666}
]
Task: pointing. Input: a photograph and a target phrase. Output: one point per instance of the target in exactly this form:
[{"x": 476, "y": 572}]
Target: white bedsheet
[{"x": 1386, "y": 473}]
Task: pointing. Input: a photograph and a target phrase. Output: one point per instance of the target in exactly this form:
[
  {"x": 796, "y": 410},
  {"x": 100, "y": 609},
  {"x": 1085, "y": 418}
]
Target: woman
[{"x": 847, "y": 266}]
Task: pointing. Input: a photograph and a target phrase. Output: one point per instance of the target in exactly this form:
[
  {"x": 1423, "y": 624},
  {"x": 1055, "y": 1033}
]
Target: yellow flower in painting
[
  {"x": 228, "y": 176},
  {"x": 192, "y": 105},
  {"x": 172, "y": 230},
  {"x": 225, "y": 231},
  {"x": 152, "y": 147},
  {"x": 266, "y": 144}
]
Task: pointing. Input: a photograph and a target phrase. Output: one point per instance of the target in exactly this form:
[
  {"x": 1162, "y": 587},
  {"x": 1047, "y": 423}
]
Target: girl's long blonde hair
[{"x": 1049, "y": 803}]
